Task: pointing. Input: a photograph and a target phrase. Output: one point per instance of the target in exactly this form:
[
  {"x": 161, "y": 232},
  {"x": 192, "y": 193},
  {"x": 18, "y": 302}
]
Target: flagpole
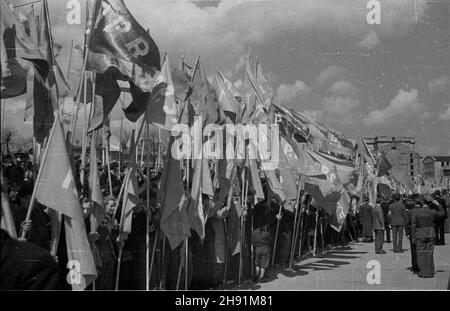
[
  {"x": 276, "y": 235},
  {"x": 297, "y": 228},
  {"x": 147, "y": 225},
  {"x": 108, "y": 165},
  {"x": 88, "y": 33},
  {"x": 297, "y": 207},
  {"x": 83, "y": 152},
  {"x": 120, "y": 142},
  {"x": 41, "y": 168},
  {"x": 303, "y": 228},
  {"x": 315, "y": 231},
  {"x": 241, "y": 227}
]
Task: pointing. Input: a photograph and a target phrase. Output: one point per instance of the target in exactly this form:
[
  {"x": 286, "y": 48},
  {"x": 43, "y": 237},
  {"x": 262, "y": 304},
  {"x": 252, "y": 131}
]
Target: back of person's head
[
  {"x": 437, "y": 193},
  {"x": 396, "y": 197},
  {"x": 365, "y": 197},
  {"x": 427, "y": 199},
  {"x": 418, "y": 201}
]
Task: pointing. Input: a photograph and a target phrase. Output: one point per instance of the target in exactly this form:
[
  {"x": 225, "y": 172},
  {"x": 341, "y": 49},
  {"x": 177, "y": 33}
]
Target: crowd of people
[
  {"x": 421, "y": 217},
  {"x": 270, "y": 239}
]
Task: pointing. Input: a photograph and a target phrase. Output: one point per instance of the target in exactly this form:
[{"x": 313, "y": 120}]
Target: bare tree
[{"x": 8, "y": 135}]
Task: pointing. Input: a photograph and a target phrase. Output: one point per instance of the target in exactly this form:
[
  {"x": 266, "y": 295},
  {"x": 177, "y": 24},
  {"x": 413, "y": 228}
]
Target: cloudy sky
[{"x": 322, "y": 57}]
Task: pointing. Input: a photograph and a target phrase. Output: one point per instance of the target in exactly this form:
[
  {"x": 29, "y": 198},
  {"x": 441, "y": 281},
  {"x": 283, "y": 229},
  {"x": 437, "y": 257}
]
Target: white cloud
[
  {"x": 404, "y": 103},
  {"x": 369, "y": 42},
  {"x": 287, "y": 93},
  {"x": 331, "y": 73},
  {"x": 340, "y": 104},
  {"x": 343, "y": 88}
]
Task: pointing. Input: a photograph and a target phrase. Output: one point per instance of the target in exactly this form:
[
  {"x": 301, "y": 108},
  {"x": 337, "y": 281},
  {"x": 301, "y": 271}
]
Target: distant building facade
[
  {"x": 409, "y": 161},
  {"x": 437, "y": 168}
]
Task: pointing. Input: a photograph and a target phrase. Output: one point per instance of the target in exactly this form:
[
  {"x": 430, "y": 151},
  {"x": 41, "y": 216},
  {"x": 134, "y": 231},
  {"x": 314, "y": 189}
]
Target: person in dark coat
[
  {"x": 422, "y": 228},
  {"x": 412, "y": 208},
  {"x": 365, "y": 210},
  {"x": 378, "y": 227},
  {"x": 385, "y": 208},
  {"x": 440, "y": 224},
  {"x": 397, "y": 216},
  {"x": 26, "y": 266}
]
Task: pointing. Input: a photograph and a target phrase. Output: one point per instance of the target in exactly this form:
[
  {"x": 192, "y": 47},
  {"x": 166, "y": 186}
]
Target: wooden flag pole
[
  {"x": 303, "y": 228},
  {"x": 315, "y": 232},
  {"x": 242, "y": 226},
  {"x": 152, "y": 260},
  {"x": 186, "y": 265},
  {"x": 120, "y": 144},
  {"x": 147, "y": 225},
  {"x": 162, "y": 281},
  {"x": 299, "y": 223},
  {"x": 297, "y": 207},
  {"x": 108, "y": 165},
  {"x": 38, "y": 178},
  {"x": 85, "y": 124},
  {"x": 276, "y": 236}
]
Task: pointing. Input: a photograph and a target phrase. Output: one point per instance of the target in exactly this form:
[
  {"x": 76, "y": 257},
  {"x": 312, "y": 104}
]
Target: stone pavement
[{"x": 345, "y": 268}]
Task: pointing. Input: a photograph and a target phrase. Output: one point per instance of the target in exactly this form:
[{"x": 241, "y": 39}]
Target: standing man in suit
[
  {"x": 397, "y": 216},
  {"x": 412, "y": 208},
  {"x": 385, "y": 208},
  {"x": 378, "y": 227},
  {"x": 440, "y": 224},
  {"x": 365, "y": 210},
  {"x": 422, "y": 228}
]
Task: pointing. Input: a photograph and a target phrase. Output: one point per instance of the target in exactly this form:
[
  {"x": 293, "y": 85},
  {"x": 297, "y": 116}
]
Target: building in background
[
  {"x": 436, "y": 169},
  {"x": 409, "y": 161}
]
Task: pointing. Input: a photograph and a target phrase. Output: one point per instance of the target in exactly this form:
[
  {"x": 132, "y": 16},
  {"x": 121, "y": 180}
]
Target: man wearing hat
[
  {"x": 422, "y": 229},
  {"x": 397, "y": 216},
  {"x": 440, "y": 223},
  {"x": 365, "y": 211}
]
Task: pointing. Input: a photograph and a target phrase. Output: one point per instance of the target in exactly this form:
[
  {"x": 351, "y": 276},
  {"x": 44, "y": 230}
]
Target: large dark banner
[{"x": 118, "y": 34}]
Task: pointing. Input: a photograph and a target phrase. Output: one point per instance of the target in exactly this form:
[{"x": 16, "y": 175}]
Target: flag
[
  {"x": 95, "y": 191},
  {"x": 137, "y": 107},
  {"x": 226, "y": 98},
  {"x": 56, "y": 189},
  {"x": 116, "y": 33},
  {"x": 204, "y": 100},
  {"x": 196, "y": 210},
  {"x": 16, "y": 45},
  {"x": 107, "y": 92},
  {"x": 252, "y": 82},
  {"x": 397, "y": 171},
  {"x": 275, "y": 185},
  {"x": 163, "y": 109},
  {"x": 171, "y": 196},
  {"x": 264, "y": 86},
  {"x": 56, "y": 83},
  {"x": 335, "y": 200},
  {"x": 383, "y": 166},
  {"x": 255, "y": 181},
  {"x": 131, "y": 195},
  {"x": 287, "y": 178}
]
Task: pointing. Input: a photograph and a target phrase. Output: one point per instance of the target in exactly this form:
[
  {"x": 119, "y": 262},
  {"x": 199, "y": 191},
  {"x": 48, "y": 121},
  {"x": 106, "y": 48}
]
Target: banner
[{"x": 116, "y": 33}]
